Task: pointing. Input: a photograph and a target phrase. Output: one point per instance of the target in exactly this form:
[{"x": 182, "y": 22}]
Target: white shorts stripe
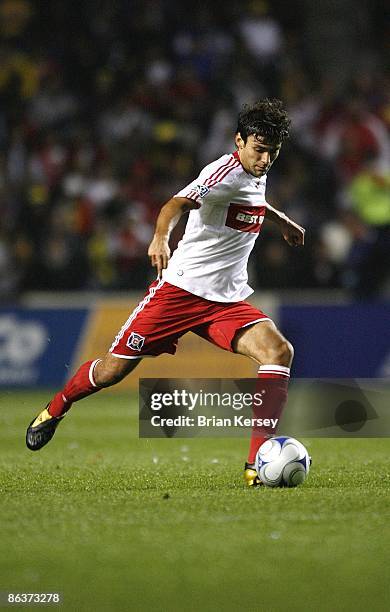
[
  {"x": 135, "y": 312},
  {"x": 255, "y": 321}
]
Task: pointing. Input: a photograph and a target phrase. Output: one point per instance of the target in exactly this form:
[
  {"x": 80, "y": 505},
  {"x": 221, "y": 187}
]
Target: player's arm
[
  {"x": 293, "y": 233},
  {"x": 169, "y": 215}
]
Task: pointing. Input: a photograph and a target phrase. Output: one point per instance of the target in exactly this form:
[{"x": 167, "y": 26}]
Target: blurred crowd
[{"x": 108, "y": 108}]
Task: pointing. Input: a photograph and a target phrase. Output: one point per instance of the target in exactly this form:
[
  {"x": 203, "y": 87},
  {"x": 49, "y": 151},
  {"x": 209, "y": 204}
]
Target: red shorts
[{"x": 167, "y": 312}]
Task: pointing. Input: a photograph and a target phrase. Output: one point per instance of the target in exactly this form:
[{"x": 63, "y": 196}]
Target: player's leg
[
  {"x": 90, "y": 378},
  {"x": 264, "y": 343},
  {"x": 242, "y": 328},
  {"x": 142, "y": 335}
]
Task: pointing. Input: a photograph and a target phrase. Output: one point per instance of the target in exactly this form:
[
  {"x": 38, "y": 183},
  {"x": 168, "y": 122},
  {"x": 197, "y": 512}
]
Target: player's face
[{"x": 256, "y": 155}]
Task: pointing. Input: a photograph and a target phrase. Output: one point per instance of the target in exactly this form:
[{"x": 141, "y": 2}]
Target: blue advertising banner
[
  {"x": 37, "y": 346},
  {"x": 349, "y": 341}
]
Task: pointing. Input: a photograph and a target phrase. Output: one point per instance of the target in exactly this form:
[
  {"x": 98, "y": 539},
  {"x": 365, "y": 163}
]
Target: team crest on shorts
[
  {"x": 202, "y": 190},
  {"x": 135, "y": 341}
]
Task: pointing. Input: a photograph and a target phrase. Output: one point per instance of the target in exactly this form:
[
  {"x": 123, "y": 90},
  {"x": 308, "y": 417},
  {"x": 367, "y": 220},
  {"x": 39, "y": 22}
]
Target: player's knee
[
  {"x": 281, "y": 352},
  {"x": 288, "y": 355},
  {"x": 108, "y": 374}
]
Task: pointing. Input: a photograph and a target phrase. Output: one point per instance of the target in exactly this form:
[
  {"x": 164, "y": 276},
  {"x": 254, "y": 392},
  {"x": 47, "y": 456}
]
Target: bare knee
[
  {"x": 111, "y": 370},
  {"x": 264, "y": 343},
  {"x": 281, "y": 352}
]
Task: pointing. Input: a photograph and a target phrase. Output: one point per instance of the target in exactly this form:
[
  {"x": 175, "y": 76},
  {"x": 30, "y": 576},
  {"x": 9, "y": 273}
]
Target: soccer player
[{"x": 203, "y": 287}]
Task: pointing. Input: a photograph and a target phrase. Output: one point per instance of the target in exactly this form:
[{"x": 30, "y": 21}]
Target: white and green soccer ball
[{"x": 282, "y": 462}]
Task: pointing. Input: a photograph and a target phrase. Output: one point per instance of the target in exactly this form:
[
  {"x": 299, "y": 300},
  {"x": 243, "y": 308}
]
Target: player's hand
[
  {"x": 293, "y": 233},
  {"x": 159, "y": 253}
]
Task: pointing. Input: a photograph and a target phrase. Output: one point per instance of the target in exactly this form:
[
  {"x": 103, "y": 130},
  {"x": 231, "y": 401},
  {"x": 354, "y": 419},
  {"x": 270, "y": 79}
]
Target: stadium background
[{"x": 106, "y": 113}]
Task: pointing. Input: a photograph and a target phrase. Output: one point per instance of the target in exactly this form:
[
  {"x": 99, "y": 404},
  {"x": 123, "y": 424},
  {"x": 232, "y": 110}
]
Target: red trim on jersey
[
  {"x": 193, "y": 196},
  {"x": 216, "y": 177},
  {"x": 220, "y": 174},
  {"x": 236, "y": 156},
  {"x": 224, "y": 165}
]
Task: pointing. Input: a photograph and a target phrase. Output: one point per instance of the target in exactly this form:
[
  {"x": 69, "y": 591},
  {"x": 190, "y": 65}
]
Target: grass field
[{"x": 117, "y": 523}]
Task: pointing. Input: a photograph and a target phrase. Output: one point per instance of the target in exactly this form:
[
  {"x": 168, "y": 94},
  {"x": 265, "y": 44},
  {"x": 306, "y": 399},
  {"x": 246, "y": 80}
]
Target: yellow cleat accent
[
  {"x": 42, "y": 417},
  {"x": 251, "y": 478},
  {"x": 42, "y": 429}
]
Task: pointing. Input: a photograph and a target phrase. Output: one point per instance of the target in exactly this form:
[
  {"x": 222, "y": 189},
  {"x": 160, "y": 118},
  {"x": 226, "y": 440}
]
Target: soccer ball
[{"x": 282, "y": 462}]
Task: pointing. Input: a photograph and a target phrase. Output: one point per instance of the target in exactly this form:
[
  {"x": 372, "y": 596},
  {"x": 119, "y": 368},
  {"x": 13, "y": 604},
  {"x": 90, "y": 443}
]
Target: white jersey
[{"x": 211, "y": 259}]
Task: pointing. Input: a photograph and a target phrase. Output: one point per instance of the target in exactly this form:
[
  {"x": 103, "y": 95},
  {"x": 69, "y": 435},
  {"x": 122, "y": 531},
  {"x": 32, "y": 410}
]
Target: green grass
[{"x": 117, "y": 523}]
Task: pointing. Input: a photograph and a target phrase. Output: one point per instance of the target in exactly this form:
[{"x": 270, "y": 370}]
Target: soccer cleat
[
  {"x": 41, "y": 429},
  {"x": 250, "y": 476}
]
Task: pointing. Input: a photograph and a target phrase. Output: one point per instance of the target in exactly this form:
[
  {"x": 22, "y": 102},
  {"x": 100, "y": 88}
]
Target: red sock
[
  {"x": 273, "y": 380},
  {"x": 80, "y": 385}
]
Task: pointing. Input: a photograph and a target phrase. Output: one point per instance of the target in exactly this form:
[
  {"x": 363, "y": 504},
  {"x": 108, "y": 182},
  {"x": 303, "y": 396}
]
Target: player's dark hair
[{"x": 266, "y": 118}]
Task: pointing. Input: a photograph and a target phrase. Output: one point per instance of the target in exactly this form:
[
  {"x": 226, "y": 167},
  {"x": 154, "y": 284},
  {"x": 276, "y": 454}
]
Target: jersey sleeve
[{"x": 214, "y": 184}]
